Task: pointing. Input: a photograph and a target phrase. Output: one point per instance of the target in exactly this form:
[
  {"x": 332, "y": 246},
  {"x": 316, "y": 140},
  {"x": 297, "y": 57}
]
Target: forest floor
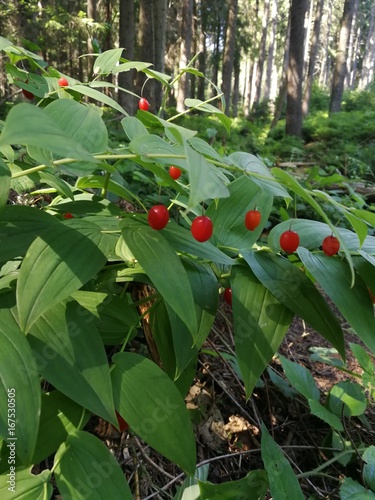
[{"x": 228, "y": 426}]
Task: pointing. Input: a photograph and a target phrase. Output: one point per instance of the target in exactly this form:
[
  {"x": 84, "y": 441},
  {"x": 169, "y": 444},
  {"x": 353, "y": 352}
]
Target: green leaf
[
  {"x": 19, "y": 226},
  {"x": 301, "y": 379},
  {"x": 259, "y": 173},
  {"x": 107, "y": 61},
  {"x": 128, "y": 65},
  {"x": 56, "y": 265},
  {"x": 189, "y": 489},
  {"x": 27, "y": 486},
  {"x": 58, "y": 183},
  {"x": 296, "y": 291},
  {"x": 209, "y": 108},
  {"x": 260, "y": 324},
  {"x": 159, "y": 417},
  {"x": 163, "y": 267},
  {"x": 324, "y": 414},
  {"x": 19, "y": 388},
  {"x": 206, "y": 181},
  {"x": 59, "y": 416},
  {"x": 5, "y": 180},
  {"x": 228, "y": 214},
  {"x": 98, "y": 96},
  {"x": 283, "y": 482},
  {"x": 71, "y": 356},
  {"x": 369, "y": 468},
  {"x": 98, "y": 181},
  {"x": 348, "y": 398},
  {"x": 133, "y": 127},
  {"x": 354, "y": 302},
  {"x": 363, "y": 358},
  {"x": 181, "y": 240},
  {"x": 4, "y": 43},
  {"x": 351, "y": 490},
  {"x": 39, "y": 129},
  {"x": 114, "y": 316},
  {"x": 254, "y": 485},
  {"x": 85, "y": 468}
]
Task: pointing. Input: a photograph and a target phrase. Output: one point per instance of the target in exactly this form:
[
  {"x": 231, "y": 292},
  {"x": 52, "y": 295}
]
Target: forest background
[{"x": 260, "y": 53}]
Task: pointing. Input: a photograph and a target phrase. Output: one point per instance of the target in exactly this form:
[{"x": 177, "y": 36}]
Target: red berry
[
  {"x": 158, "y": 216},
  {"x": 202, "y": 228},
  {"x": 372, "y": 296},
  {"x": 144, "y": 104},
  {"x": 174, "y": 172},
  {"x": 63, "y": 82},
  {"x": 228, "y": 296},
  {"x": 252, "y": 219},
  {"x": 122, "y": 424},
  {"x": 330, "y": 245},
  {"x": 27, "y": 94},
  {"x": 68, "y": 216},
  {"x": 289, "y": 241}
]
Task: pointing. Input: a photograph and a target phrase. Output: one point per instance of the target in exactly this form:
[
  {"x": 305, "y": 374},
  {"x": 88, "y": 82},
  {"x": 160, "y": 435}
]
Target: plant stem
[
  {"x": 106, "y": 183},
  {"x": 329, "y": 462}
]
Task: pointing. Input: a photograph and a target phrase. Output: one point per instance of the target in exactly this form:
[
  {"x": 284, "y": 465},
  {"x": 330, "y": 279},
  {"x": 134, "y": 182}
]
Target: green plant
[{"x": 74, "y": 292}]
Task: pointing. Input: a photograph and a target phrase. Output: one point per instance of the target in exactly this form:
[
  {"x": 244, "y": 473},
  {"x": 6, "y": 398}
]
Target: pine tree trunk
[
  {"x": 262, "y": 51},
  {"x": 269, "y": 84},
  {"x": 185, "y": 53},
  {"x": 160, "y": 19},
  {"x": 367, "y": 74},
  {"x": 126, "y": 41},
  {"x": 340, "y": 70},
  {"x": 313, "y": 53},
  {"x": 294, "y": 115},
  {"x": 228, "y": 56}
]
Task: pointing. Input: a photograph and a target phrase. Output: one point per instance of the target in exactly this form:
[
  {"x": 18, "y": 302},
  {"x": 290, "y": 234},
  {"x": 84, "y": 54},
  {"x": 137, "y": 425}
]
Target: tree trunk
[
  {"x": 185, "y": 52},
  {"x": 262, "y": 51},
  {"x": 202, "y": 53},
  {"x": 325, "y": 57},
  {"x": 91, "y": 14},
  {"x": 340, "y": 69},
  {"x": 270, "y": 84},
  {"x": 146, "y": 49},
  {"x": 126, "y": 41},
  {"x": 367, "y": 73},
  {"x": 160, "y": 19},
  {"x": 351, "y": 54},
  {"x": 295, "y": 68},
  {"x": 228, "y": 56},
  {"x": 313, "y": 53}
]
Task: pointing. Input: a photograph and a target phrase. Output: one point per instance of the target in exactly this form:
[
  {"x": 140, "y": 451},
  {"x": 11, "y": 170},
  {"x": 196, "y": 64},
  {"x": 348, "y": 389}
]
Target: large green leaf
[
  {"x": 253, "y": 486},
  {"x": 115, "y": 317},
  {"x": 27, "y": 486},
  {"x": 300, "y": 378},
  {"x": 283, "y": 482},
  {"x": 57, "y": 264},
  {"x": 163, "y": 267},
  {"x": 85, "y": 468},
  {"x": 106, "y": 62},
  {"x": 259, "y": 173},
  {"x": 19, "y": 226},
  {"x": 333, "y": 275},
  {"x": 20, "y": 392},
  {"x": 228, "y": 214},
  {"x": 59, "y": 416},
  {"x": 369, "y": 467},
  {"x": 39, "y": 129},
  {"x": 352, "y": 490},
  {"x": 181, "y": 240},
  {"x": 260, "y": 324},
  {"x": 296, "y": 291},
  {"x": 71, "y": 356},
  {"x": 98, "y": 96},
  {"x": 159, "y": 416}
]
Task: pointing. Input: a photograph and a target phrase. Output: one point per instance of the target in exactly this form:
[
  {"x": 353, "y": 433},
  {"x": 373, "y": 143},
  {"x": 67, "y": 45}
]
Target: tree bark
[
  {"x": 262, "y": 52},
  {"x": 146, "y": 49},
  {"x": 313, "y": 53},
  {"x": 228, "y": 56},
  {"x": 160, "y": 20},
  {"x": 91, "y": 14},
  {"x": 270, "y": 83},
  {"x": 126, "y": 41},
  {"x": 294, "y": 116},
  {"x": 185, "y": 52},
  {"x": 340, "y": 69},
  {"x": 202, "y": 53},
  {"x": 367, "y": 73}
]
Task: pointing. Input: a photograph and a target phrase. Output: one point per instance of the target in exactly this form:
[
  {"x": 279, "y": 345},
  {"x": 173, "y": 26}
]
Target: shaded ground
[{"x": 228, "y": 427}]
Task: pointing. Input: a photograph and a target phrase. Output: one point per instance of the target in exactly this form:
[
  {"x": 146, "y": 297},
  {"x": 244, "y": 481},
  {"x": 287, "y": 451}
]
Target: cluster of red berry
[{"x": 289, "y": 242}]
